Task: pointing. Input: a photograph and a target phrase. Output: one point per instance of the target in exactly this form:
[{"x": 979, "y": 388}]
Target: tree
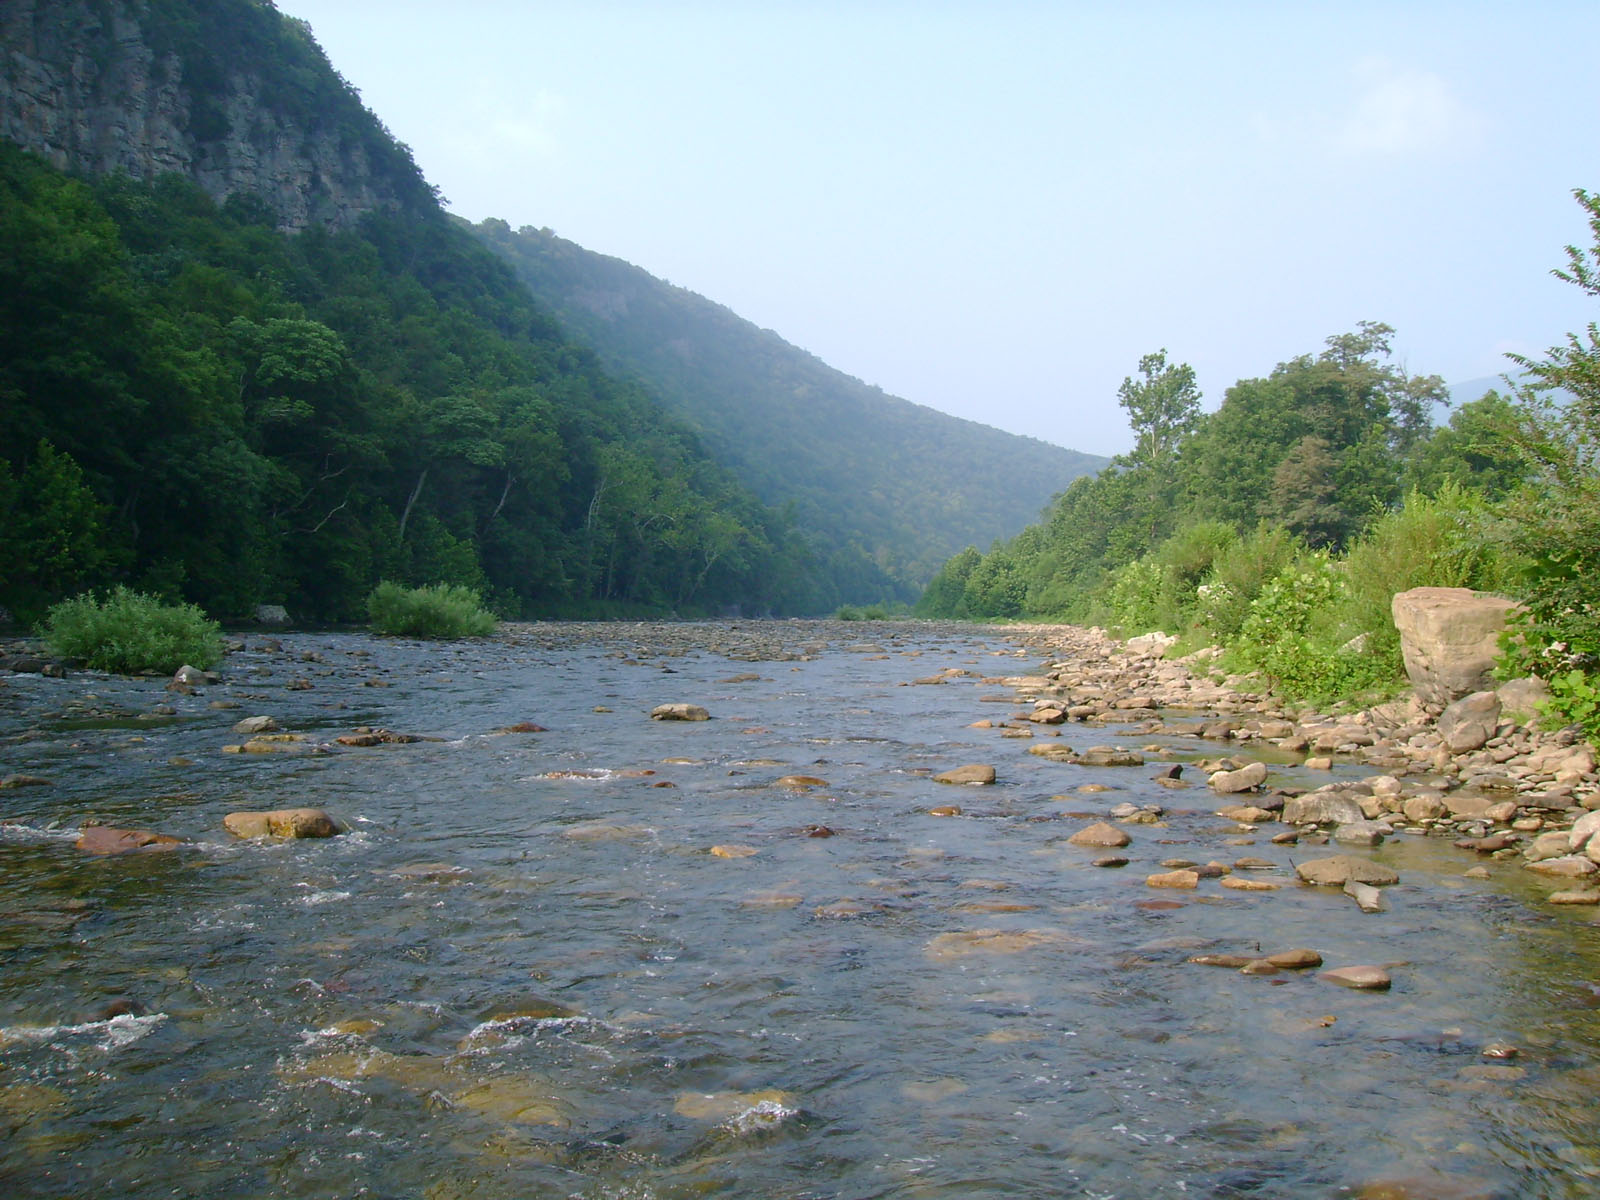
[{"x": 1163, "y": 407}]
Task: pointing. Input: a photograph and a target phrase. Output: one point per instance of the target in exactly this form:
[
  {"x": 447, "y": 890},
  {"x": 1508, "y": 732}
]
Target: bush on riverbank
[
  {"x": 444, "y": 610},
  {"x": 129, "y": 632}
]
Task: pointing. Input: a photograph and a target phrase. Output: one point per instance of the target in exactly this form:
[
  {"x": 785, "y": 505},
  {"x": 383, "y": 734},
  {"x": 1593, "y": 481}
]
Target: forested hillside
[
  {"x": 885, "y": 488},
  {"x": 237, "y": 378},
  {"x": 1310, "y": 453}
]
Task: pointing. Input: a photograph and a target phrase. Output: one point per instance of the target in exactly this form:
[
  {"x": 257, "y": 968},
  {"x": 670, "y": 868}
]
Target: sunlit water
[{"x": 525, "y": 974}]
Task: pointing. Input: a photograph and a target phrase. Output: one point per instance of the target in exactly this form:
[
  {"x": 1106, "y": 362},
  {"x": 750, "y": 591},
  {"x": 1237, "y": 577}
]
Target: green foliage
[
  {"x": 1291, "y": 635},
  {"x": 1432, "y": 541},
  {"x": 442, "y": 610},
  {"x": 1575, "y": 700},
  {"x": 870, "y": 612},
  {"x": 53, "y": 532},
  {"x": 885, "y": 490},
  {"x": 228, "y": 415},
  {"x": 1238, "y": 574},
  {"x": 130, "y": 631},
  {"x": 1555, "y": 520},
  {"x": 1138, "y": 596}
]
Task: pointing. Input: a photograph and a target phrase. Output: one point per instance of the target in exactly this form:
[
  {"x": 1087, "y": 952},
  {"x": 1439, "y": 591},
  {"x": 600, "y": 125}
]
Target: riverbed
[{"x": 616, "y": 957}]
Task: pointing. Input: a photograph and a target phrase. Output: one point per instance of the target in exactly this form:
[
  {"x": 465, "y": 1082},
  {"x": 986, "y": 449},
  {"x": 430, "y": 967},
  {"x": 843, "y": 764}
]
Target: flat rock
[
  {"x": 1337, "y": 869},
  {"x": 1246, "y": 778},
  {"x": 679, "y": 712},
  {"x": 1322, "y": 808},
  {"x": 1296, "y": 960},
  {"x": 1102, "y": 834},
  {"x": 1368, "y": 899},
  {"x": 107, "y": 840},
  {"x": 972, "y": 773},
  {"x": 1369, "y": 979},
  {"x": 1248, "y": 885},
  {"x": 251, "y": 726},
  {"x": 1568, "y": 866},
  {"x": 1174, "y": 879}
]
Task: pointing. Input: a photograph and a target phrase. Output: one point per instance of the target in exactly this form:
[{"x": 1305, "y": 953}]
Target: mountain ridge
[{"x": 791, "y": 425}]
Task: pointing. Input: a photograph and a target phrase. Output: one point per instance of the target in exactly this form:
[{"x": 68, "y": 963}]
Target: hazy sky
[{"x": 995, "y": 208}]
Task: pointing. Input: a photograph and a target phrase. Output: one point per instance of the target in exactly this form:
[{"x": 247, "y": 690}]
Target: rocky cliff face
[{"x": 152, "y": 86}]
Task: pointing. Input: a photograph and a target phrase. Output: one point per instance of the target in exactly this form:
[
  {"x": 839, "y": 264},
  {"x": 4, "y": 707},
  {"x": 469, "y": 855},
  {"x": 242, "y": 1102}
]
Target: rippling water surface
[{"x": 524, "y": 972}]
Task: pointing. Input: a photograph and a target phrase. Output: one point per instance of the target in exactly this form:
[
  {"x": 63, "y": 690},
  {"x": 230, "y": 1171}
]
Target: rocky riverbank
[{"x": 1479, "y": 772}]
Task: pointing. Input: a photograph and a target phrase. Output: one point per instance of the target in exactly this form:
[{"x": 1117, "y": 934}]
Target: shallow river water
[{"x": 524, "y": 972}]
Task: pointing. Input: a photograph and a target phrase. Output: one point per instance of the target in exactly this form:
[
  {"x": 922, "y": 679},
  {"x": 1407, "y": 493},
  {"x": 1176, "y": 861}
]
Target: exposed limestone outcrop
[{"x": 96, "y": 88}]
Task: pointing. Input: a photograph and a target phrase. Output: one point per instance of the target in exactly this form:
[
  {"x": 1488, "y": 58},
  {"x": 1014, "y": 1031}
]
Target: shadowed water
[{"x": 524, "y": 973}]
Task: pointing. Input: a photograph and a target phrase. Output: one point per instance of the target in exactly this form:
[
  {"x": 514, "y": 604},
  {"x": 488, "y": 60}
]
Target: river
[{"x": 524, "y": 972}]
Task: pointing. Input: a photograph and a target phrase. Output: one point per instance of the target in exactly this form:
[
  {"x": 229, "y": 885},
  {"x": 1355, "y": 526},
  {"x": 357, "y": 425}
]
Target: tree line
[{"x": 213, "y": 411}]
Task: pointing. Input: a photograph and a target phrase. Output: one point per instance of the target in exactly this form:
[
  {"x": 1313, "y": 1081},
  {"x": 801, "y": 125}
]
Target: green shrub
[
  {"x": 1291, "y": 634},
  {"x": 1138, "y": 595},
  {"x": 445, "y": 610},
  {"x": 1434, "y": 541},
  {"x": 1238, "y": 573},
  {"x": 130, "y": 631}
]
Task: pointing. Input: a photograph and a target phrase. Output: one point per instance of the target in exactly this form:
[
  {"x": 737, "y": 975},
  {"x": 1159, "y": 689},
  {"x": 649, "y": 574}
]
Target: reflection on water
[{"x": 524, "y": 972}]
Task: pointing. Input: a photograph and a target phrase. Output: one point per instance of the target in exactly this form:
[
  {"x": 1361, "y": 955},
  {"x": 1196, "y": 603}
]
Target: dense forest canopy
[{"x": 198, "y": 403}]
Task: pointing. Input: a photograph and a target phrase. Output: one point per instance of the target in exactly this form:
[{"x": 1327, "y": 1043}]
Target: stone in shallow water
[
  {"x": 722, "y": 1106},
  {"x": 107, "y": 840},
  {"x": 678, "y": 712},
  {"x": 1174, "y": 879},
  {"x": 1248, "y": 885},
  {"x": 1336, "y": 869},
  {"x": 945, "y": 810},
  {"x": 733, "y": 851},
  {"x": 991, "y": 941},
  {"x": 1101, "y": 834},
  {"x": 283, "y": 822},
  {"x": 973, "y": 773},
  {"x": 1297, "y": 959},
  {"x": 1365, "y": 978},
  {"x": 801, "y": 781}
]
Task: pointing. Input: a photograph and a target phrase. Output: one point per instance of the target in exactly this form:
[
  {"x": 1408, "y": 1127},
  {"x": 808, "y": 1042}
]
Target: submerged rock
[{"x": 107, "y": 840}]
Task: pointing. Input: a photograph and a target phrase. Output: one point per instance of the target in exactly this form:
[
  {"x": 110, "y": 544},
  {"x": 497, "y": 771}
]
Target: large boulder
[{"x": 1450, "y": 638}]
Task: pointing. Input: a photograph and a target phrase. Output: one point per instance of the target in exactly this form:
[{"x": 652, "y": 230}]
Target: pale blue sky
[{"x": 995, "y": 208}]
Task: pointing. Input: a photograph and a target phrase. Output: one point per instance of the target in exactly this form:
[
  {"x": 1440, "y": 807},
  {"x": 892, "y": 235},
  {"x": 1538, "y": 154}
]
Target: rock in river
[
  {"x": 1101, "y": 834},
  {"x": 1337, "y": 869},
  {"x": 1245, "y": 779},
  {"x": 978, "y": 773},
  {"x": 283, "y": 822},
  {"x": 679, "y": 712},
  {"x": 107, "y": 839},
  {"x": 1370, "y": 979}
]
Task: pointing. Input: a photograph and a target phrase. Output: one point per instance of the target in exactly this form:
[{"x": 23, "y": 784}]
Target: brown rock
[
  {"x": 1248, "y": 885},
  {"x": 1101, "y": 834},
  {"x": 972, "y": 773},
  {"x": 1338, "y": 869},
  {"x": 1174, "y": 879},
  {"x": 283, "y": 823},
  {"x": 1370, "y": 979},
  {"x": 1470, "y": 722},
  {"x": 1296, "y": 960},
  {"x": 945, "y": 810},
  {"x": 107, "y": 839},
  {"x": 1450, "y": 639},
  {"x": 1246, "y": 778}
]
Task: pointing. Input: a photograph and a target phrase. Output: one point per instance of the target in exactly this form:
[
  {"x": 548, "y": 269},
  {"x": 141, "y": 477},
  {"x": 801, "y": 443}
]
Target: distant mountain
[
  {"x": 878, "y": 483},
  {"x": 1473, "y": 389}
]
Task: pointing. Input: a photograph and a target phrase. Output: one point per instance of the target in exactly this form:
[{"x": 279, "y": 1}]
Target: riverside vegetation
[{"x": 1279, "y": 526}]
